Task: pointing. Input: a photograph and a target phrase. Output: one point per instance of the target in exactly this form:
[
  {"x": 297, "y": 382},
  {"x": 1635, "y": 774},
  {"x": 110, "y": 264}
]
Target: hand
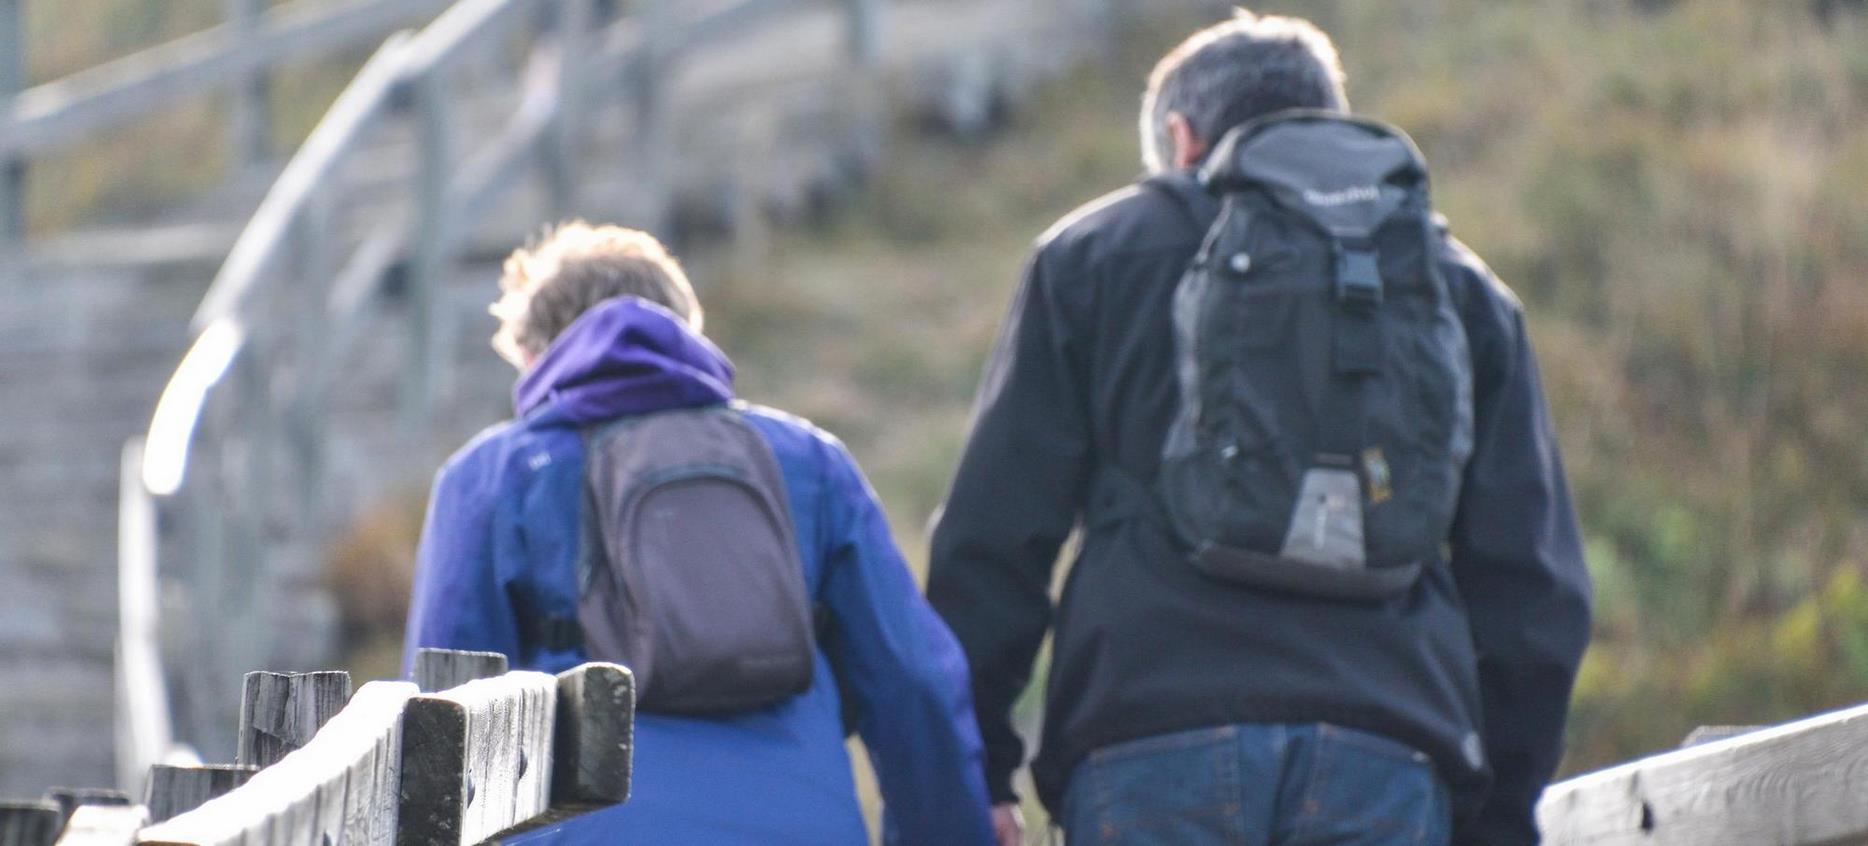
[{"x": 1008, "y": 824}]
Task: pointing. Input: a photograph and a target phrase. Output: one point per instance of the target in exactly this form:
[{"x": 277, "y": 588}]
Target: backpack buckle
[{"x": 1358, "y": 276}]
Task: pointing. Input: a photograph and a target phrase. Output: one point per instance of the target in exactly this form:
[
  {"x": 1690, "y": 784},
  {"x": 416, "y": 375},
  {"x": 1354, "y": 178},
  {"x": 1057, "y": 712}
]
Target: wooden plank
[
  {"x": 177, "y": 789},
  {"x": 280, "y": 712},
  {"x": 476, "y": 759},
  {"x": 1795, "y": 784},
  {"x": 594, "y": 740},
  {"x": 104, "y": 825},
  {"x": 66, "y": 110},
  {"x": 339, "y": 789},
  {"x": 33, "y": 823},
  {"x": 437, "y": 670}
]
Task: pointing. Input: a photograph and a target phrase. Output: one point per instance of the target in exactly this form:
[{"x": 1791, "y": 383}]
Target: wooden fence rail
[
  {"x": 497, "y": 757},
  {"x": 394, "y": 765},
  {"x": 1798, "y": 784}
]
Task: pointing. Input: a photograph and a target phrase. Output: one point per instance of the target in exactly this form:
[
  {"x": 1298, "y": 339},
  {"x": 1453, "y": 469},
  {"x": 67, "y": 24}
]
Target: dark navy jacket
[
  {"x": 1473, "y": 665},
  {"x": 499, "y": 554}
]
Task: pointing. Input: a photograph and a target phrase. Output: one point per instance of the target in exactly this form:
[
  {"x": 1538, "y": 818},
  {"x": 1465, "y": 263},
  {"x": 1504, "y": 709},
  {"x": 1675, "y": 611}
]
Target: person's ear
[{"x": 1189, "y": 147}]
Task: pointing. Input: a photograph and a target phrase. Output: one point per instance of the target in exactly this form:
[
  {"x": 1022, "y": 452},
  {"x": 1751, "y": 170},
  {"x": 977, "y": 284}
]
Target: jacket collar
[{"x": 622, "y": 357}]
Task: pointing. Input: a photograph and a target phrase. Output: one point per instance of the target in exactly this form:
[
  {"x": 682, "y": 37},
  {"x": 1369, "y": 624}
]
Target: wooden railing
[
  {"x": 398, "y": 762},
  {"x": 1797, "y": 784},
  {"x": 234, "y": 455}
]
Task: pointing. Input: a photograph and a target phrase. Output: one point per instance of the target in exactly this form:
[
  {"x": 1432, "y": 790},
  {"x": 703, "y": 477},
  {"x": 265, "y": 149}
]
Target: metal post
[
  {"x": 251, "y": 118},
  {"x": 434, "y": 224},
  {"x": 12, "y": 81},
  {"x": 652, "y": 126},
  {"x": 247, "y": 626},
  {"x": 865, "y": 31},
  {"x": 303, "y": 414},
  {"x": 144, "y": 727},
  {"x": 559, "y": 152}
]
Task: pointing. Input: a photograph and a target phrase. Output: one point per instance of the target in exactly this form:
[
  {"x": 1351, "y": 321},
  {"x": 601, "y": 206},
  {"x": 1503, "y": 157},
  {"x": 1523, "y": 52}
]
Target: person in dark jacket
[
  {"x": 604, "y": 325},
  {"x": 1182, "y": 709}
]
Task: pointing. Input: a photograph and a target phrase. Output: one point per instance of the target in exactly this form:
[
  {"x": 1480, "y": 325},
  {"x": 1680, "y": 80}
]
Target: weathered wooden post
[
  {"x": 33, "y": 823},
  {"x": 339, "y": 788},
  {"x": 250, "y": 111},
  {"x": 476, "y": 759},
  {"x": 12, "y": 168},
  {"x": 437, "y": 670},
  {"x": 176, "y": 790},
  {"x": 280, "y": 712},
  {"x": 595, "y": 737}
]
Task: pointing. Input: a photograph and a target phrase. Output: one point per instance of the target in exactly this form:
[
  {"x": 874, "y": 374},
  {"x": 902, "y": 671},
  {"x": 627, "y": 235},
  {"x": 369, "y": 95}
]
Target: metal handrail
[
  {"x": 65, "y": 110},
  {"x": 219, "y": 322},
  {"x": 404, "y": 74}
]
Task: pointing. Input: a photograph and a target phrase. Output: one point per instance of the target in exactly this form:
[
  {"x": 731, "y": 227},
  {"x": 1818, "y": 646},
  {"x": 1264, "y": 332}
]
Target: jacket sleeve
[
  {"x": 1014, "y": 500},
  {"x": 459, "y": 599},
  {"x": 1517, "y": 558},
  {"x": 900, "y": 664}
]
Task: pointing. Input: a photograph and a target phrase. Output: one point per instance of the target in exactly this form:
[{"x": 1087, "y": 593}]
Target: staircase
[{"x": 89, "y": 337}]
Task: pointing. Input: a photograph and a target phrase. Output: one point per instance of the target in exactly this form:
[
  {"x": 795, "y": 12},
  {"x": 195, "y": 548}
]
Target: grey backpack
[
  {"x": 692, "y": 575},
  {"x": 1326, "y": 388}
]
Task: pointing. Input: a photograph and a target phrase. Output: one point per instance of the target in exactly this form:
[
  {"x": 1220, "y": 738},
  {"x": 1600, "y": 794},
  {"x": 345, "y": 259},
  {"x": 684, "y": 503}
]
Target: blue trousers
[{"x": 1259, "y": 784}]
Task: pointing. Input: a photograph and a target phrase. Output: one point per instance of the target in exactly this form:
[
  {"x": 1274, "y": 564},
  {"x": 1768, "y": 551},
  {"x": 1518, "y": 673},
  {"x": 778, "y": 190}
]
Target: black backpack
[
  {"x": 1326, "y": 387},
  {"x": 692, "y": 577}
]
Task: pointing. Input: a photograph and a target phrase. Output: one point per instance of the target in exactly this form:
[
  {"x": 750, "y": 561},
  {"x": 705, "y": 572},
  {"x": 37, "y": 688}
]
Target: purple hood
[{"x": 625, "y": 356}]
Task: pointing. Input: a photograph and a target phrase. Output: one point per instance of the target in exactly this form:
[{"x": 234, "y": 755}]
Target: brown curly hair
[{"x": 549, "y": 282}]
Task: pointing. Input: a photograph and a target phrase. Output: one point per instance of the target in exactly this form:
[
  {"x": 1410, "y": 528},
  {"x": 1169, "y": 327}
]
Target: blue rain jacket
[{"x": 499, "y": 554}]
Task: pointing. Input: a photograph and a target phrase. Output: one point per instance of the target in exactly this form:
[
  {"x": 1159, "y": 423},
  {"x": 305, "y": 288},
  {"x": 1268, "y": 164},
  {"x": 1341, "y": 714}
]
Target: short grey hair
[
  {"x": 549, "y": 283},
  {"x": 1237, "y": 70}
]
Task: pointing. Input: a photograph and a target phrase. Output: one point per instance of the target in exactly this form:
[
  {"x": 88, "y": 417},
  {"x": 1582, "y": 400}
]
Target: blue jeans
[{"x": 1257, "y": 784}]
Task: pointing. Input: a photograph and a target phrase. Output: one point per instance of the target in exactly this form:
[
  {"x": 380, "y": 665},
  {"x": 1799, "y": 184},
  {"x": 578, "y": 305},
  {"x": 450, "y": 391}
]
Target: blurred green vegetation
[{"x": 1675, "y": 189}]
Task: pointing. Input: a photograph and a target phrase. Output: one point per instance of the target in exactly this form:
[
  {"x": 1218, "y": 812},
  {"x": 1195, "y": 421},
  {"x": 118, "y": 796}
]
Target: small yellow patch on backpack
[{"x": 1375, "y": 470}]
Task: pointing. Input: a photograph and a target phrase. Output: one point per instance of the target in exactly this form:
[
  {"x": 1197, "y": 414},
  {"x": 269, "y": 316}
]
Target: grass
[{"x": 1674, "y": 192}]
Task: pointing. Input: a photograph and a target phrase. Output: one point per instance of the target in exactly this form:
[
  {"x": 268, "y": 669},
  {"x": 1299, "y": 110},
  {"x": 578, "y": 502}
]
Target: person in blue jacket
[{"x": 603, "y": 324}]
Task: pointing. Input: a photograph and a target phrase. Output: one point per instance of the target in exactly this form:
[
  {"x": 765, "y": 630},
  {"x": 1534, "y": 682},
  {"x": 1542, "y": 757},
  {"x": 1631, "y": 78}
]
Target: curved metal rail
[{"x": 239, "y": 330}]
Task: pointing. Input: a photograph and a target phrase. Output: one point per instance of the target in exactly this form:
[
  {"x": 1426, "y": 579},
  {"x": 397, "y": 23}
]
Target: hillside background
[{"x": 1675, "y": 189}]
